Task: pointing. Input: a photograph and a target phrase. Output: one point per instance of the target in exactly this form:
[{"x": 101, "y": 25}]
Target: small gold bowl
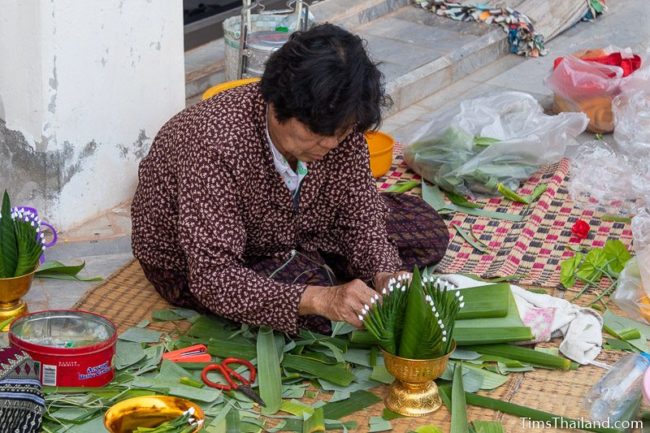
[
  {"x": 414, "y": 392},
  {"x": 148, "y": 411}
]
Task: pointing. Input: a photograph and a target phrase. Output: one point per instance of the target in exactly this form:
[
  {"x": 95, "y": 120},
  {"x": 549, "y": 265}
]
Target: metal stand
[{"x": 298, "y": 7}]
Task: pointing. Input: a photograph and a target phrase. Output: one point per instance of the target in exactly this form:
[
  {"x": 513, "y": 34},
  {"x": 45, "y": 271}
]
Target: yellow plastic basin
[
  {"x": 226, "y": 86},
  {"x": 380, "y": 146}
]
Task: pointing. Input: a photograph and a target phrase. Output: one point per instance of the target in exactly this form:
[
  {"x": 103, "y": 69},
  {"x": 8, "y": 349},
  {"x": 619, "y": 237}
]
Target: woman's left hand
[{"x": 380, "y": 281}]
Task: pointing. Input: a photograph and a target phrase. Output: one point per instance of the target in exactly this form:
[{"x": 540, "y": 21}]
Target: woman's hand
[
  {"x": 381, "y": 279},
  {"x": 338, "y": 303}
]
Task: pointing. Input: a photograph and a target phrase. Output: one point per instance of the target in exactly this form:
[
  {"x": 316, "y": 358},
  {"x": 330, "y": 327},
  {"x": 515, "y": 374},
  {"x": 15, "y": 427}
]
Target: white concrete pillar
[{"x": 84, "y": 87}]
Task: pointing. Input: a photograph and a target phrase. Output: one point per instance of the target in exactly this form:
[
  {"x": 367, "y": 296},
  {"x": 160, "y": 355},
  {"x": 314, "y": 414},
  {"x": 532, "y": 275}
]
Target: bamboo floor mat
[
  {"x": 127, "y": 298},
  {"x": 532, "y": 248}
]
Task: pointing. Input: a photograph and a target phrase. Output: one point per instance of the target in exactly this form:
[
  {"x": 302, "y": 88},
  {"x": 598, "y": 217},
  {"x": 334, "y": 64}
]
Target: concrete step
[
  {"x": 419, "y": 52},
  {"x": 205, "y": 65}
]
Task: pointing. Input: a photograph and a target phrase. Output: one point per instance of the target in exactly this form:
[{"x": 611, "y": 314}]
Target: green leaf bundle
[
  {"x": 414, "y": 319},
  {"x": 21, "y": 244}
]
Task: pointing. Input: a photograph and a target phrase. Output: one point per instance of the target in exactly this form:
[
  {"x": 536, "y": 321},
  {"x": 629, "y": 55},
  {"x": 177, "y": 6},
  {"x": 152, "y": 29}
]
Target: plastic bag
[
  {"x": 617, "y": 395},
  {"x": 590, "y": 86},
  {"x": 641, "y": 234},
  {"x": 632, "y": 293},
  {"x": 607, "y": 181},
  {"x": 632, "y": 115},
  {"x": 499, "y": 138}
]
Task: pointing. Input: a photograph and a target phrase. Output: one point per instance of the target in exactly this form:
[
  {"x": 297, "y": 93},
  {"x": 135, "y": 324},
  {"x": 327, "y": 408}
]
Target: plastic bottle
[{"x": 618, "y": 392}]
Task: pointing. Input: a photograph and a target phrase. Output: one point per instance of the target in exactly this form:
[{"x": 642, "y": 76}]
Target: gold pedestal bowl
[
  {"x": 414, "y": 392},
  {"x": 11, "y": 292}
]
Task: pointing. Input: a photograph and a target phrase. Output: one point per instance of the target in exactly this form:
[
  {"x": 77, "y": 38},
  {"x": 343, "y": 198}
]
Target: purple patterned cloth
[{"x": 22, "y": 402}]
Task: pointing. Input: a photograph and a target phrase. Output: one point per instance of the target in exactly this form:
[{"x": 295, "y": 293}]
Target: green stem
[
  {"x": 605, "y": 292},
  {"x": 584, "y": 289}
]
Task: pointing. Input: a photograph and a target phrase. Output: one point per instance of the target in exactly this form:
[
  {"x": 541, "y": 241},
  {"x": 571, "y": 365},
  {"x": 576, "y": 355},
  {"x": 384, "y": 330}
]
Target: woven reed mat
[
  {"x": 532, "y": 248},
  {"x": 127, "y": 298}
]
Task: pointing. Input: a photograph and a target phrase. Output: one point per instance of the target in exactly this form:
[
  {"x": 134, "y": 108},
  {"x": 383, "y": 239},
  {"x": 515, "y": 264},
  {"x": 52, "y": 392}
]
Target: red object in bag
[
  {"x": 628, "y": 65},
  {"x": 588, "y": 81}
]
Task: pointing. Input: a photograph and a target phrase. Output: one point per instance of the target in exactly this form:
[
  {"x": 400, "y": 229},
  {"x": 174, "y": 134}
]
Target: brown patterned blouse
[{"x": 210, "y": 197}]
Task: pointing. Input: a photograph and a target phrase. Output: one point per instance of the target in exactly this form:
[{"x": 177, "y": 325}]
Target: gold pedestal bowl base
[
  {"x": 11, "y": 312},
  {"x": 414, "y": 392},
  {"x": 407, "y": 399},
  {"x": 11, "y": 292}
]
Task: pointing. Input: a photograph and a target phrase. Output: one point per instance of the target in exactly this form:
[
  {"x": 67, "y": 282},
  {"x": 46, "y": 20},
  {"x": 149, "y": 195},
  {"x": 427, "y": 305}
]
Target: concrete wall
[{"x": 84, "y": 87}]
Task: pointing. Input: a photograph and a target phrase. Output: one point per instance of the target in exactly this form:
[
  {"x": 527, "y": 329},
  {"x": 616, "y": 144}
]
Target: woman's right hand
[{"x": 338, "y": 303}]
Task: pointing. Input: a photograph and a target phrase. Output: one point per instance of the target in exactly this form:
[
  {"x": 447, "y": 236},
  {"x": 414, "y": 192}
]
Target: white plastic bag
[
  {"x": 498, "y": 138},
  {"x": 579, "y": 83},
  {"x": 588, "y": 87},
  {"x": 608, "y": 181},
  {"x": 641, "y": 233},
  {"x": 632, "y": 293},
  {"x": 632, "y": 115}
]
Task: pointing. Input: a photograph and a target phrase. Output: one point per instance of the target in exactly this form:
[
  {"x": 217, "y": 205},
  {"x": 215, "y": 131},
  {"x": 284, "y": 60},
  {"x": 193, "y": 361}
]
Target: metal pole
[
  {"x": 244, "y": 25},
  {"x": 299, "y": 15}
]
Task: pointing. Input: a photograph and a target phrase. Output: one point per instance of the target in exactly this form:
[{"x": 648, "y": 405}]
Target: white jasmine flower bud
[
  {"x": 462, "y": 305},
  {"x": 360, "y": 318}
]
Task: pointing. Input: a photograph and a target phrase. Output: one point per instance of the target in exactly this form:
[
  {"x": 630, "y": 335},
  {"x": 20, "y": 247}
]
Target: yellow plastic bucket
[
  {"x": 380, "y": 147},
  {"x": 226, "y": 86}
]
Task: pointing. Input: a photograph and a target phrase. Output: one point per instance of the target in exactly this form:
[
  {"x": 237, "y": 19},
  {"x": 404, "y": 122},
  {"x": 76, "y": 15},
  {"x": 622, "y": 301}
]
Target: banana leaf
[
  {"x": 269, "y": 373},
  {"x": 337, "y": 374},
  {"x": 358, "y": 400},
  {"x": 8, "y": 241},
  {"x": 510, "y": 320},
  {"x": 522, "y": 411},
  {"x": 236, "y": 349},
  {"x": 417, "y": 323},
  {"x": 458, "y": 404},
  {"x": 474, "y": 336},
  {"x": 485, "y": 302},
  {"x": 434, "y": 197},
  {"x": 488, "y": 427},
  {"x": 59, "y": 271},
  {"x": 314, "y": 422},
  {"x": 378, "y": 424}
]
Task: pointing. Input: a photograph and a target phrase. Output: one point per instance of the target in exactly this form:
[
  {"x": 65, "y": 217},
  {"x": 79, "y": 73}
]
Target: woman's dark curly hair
[{"x": 324, "y": 78}]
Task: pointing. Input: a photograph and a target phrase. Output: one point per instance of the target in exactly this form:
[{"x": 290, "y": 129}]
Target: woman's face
[{"x": 297, "y": 142}]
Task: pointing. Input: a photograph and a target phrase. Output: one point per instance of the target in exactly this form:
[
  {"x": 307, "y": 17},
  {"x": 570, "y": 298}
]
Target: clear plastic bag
[
  {"x": 641, "y": 234},
  {"x": 617, "y": 395},
  {"x": 498, "y": 138},
  {"x": 588, "y": 87},
  {"x": 632, "y": 293},
  {"x": 580, "y": 84},
  {"x": 608, "y": 181},
  {"x": 632, "y": 115}
]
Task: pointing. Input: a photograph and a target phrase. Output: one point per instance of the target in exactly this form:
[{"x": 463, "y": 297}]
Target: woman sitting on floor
[{"x": 258, "y": 204}]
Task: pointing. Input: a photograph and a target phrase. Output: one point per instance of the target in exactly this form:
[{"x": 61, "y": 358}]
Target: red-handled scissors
[{"x": 244, "y": 385}]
